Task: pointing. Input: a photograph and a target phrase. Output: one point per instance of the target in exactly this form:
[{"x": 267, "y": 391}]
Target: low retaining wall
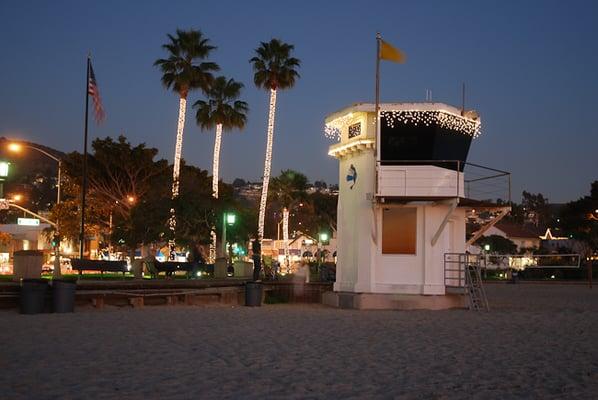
[{"x": 139, "y": 293}]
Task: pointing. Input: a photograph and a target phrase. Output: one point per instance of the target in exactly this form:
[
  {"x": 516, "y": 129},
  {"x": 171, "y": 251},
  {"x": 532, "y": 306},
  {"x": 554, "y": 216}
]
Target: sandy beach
[{"x": 538, "y": 341}]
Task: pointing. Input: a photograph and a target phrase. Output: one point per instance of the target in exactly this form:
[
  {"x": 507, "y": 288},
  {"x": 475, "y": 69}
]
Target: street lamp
[
  {"x": 228, "y": 219},
  {"x": 18, "y": 147},
  {"x": 323, "y": 238}
]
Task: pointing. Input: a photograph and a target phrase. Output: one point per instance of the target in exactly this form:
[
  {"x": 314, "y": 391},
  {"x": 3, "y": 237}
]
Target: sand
[{"x": 537, "y": 342}]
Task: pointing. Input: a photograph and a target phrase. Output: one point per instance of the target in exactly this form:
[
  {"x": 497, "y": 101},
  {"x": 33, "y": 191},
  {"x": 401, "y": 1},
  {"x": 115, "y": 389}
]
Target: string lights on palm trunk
[{"x": 267, "y": 163}]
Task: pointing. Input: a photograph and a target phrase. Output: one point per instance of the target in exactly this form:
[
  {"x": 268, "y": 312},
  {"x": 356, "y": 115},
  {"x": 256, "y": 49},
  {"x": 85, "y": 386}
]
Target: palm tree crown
[
  {"x": 273, "y": 65},
  {"x": 181, "y": 71},
  {"x": 222, "y": 106},
  {"x": 289, "y": 187}
]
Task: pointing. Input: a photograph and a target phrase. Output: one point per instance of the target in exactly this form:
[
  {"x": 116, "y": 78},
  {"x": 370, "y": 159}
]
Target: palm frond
[
  {"x": 273, "y": 65},
  {"x": 186, "y": 67}
]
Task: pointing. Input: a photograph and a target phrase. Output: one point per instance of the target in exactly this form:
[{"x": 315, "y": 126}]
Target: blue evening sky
[{"x": 531, "y": 69}]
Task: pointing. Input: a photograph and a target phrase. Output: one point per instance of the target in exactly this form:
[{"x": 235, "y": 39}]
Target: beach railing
[{"x": 455, "y": 265}]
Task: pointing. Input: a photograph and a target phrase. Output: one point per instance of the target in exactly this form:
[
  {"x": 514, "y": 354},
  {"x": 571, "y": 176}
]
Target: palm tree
[
  {"x": 288, "y": 191},
  {"x": 182, "y": 72},
  {"x": 274, "y": 69},
  {"x": 223, "y": 111}
]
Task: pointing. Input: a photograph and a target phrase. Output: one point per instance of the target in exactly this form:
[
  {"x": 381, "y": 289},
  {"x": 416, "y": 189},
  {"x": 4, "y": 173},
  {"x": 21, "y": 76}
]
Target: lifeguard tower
[{"x": 403, "y": 203}]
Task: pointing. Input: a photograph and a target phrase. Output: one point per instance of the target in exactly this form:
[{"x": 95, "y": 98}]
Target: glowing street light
[
  {"x": 18, "y": 147},
  {"x": 131, "y": 199},
  {"x": 227, "y": 219},
  {"x": 17, "y": 197},
  {"x": 230, "y": 218},
  {"x": 15, "y": 147},
  {"x": 323, "y": 239}
]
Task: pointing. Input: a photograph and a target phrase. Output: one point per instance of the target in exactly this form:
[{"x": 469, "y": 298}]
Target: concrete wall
[{"x": 355, "y": 223}]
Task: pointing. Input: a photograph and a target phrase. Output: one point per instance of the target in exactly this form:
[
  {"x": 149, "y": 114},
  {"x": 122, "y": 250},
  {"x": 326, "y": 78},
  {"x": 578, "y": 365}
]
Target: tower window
[{"x": 399, "y": 230}]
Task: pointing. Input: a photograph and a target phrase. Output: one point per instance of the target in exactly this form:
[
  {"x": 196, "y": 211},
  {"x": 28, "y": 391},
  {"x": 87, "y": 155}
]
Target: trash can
[
  {"x": 28, "y": 264},
  {"x": 63, "y": 295},
  {"x": 253, "y": 294},
  {"x": 33, "y": 296}
]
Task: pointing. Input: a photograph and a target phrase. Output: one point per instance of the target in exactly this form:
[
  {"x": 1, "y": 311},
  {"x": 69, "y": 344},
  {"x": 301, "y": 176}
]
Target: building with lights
[
  {"x": 403, "y": 200},
  {"x": 525, "y": 237}
]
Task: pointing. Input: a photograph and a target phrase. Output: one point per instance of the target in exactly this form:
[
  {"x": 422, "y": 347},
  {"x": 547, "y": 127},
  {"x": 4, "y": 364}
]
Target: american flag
[{"x": 92, "y": 89}]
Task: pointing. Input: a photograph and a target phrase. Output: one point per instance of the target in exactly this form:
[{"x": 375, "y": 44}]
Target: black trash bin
[
  {"x": 253, "y": 294},
  {"x": 33, "y": 295},
  {"x": 63, "y": 295}
]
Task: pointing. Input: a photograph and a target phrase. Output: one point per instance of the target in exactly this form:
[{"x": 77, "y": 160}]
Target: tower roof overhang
[{"x": 427, "y": 106}]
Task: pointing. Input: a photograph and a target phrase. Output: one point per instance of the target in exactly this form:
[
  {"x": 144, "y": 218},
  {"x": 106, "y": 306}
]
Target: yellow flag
[{"x": 387, "y": 52}]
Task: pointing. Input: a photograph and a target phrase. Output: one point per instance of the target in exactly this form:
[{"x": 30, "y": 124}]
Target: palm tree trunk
[
  {"x": 215, "y": 172},
  {"x": 285, "y": 238},
  {"x": 176, "y": 170},
  {"x": 216, "y": 160},
  {"x": 267, "y": 163}
]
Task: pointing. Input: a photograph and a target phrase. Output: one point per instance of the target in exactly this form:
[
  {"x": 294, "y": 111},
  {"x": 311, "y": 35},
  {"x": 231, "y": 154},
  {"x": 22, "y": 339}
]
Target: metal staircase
[
  {"x": 462, "y": 272},
  {"x": 474, "y": 289}
]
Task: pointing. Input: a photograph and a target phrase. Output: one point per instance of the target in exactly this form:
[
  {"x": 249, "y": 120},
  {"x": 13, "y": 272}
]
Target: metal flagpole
[
  {"x": 84, "y": 185},
  {"x": 377, "y": 106}
]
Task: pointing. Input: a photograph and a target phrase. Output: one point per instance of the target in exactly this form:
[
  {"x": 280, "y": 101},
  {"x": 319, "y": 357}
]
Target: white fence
[{"x": 521, "y": 262}]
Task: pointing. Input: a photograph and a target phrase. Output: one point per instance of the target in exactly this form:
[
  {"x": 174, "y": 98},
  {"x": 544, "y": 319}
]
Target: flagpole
[
  {"x": 377, "y": 106},
  {"x": 84, "y": 185}
]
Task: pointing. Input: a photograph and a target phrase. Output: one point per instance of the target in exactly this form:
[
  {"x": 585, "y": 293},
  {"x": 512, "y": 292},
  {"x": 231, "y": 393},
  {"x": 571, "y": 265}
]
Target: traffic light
[{"x": 55, "y": 240}]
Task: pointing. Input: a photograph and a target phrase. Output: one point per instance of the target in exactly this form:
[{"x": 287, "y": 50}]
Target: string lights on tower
[
  {"x": 461, "y": 123},
  {"x": 443, "y": 119}
]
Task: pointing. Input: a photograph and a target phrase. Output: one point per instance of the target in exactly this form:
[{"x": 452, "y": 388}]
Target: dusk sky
[{"x": 531, "y": 70}]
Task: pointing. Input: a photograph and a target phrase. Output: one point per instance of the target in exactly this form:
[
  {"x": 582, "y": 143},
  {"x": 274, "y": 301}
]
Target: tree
[
  {"x": 129, "y": 199},
  {"x": 238, "y": 182},
  {"x": 274, "y": 69},
  {"x": 122, "y": 179},
  {"x": 498, "y": 244},
  {"x": 535, "y": 209},
  {"x": 182, "y": 72},
  {"x": 224, "y": 111},
  {"x": 579, "y": 220},
  {"x": 288, "y": 190},
  {"x": 319, "y": 185},
  {"x": 325, "y": 211}
]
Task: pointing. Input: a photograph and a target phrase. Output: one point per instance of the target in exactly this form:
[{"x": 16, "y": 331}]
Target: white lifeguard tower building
[{"x": 403, "y": 203}]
